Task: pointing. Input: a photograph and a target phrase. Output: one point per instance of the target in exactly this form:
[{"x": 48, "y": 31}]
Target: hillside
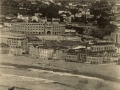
[{"x": 13, "y": 10}]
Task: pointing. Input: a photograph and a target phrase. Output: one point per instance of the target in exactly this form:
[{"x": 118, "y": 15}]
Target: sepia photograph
[{"x": 59, "y": 44}]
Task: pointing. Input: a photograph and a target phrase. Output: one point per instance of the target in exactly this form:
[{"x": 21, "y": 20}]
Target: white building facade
[{"x": 41, "y": 28}]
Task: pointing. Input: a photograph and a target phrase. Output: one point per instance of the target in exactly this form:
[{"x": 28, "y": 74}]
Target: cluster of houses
[
  {"x": 75, "y": 51},
  {"x": 67, "y": 46},
  {"x": 91, "y": 51}
]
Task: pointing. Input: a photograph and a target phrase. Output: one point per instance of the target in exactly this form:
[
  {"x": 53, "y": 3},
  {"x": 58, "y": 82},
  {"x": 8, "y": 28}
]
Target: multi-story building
[
  {"x": 33, "y": 50},
  {"x": 59, "y": 54},
  {"x": 8, "y": 24},
  {"x": 102, "y": 46},
  {"x": 40, "y": 51},
  {"x": 73, "y": 57},
  {"x": 41, "y": 28},
  {"x": 104, "y": 50},
  {"x": 117, "y": 47},
  {"x": 116, "y": 36},
  {"x": 15, "y": 41},
  {"x": 5, "y": 29},
  {"x": 98, "y": 60},
  {"x": 82, "y": 55},
  {"x": 45, "y": 52}
]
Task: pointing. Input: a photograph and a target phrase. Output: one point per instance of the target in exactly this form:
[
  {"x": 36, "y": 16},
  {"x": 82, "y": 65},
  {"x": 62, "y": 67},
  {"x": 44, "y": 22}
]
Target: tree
[{"x": 102, "y": 22}]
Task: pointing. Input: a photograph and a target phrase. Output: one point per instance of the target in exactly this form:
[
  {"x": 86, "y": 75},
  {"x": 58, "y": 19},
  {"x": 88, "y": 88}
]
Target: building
[
  {"x": 40, "y": 28},
  {"x": 15, "y": 41},
  {"x": 45, "y": 52},
  {"x": 115, "y": 36},
  {"x": 5, "y": 29},
  {"x": 95, "y": 60},
  {"x": 70, "y": 31},
  {"x": 114, "y": 9},
  {"x": 102, "y": 46},
  {"x": 72, "y": 57},
  {"x": 34, "y": 51},
  {"x": 8, "y": 24},
  {"x": 70, "y": 37},
  {"x": 117, "y": 47},
  {"x": 70, "y": 44},
  {"x": 40, "y": 51},
  {"x": 16, "y": 51},
  {"x": 4, "y": 48},
  {"x": 59, "y": 54},
  {"x": 82, "y": 56},
  {"x": 96, "y": 57}
]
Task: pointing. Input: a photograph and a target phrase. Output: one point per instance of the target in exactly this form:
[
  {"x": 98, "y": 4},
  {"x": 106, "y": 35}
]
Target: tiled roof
[
  {"x": 102, "y": 43},
  {"x": 63, "y": 43},
  {"x": 32, "y": 38}
]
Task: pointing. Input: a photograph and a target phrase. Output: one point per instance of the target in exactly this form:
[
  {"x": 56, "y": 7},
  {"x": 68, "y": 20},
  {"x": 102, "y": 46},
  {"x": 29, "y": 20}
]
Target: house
[
  {"x": 95, "y": 57},
  {"x": 16, "y": 51},
  {"x": 117, "y": 47},
  {"x": 70, "y": 31},
  {"x": 95, "y": 60},
  {"x": 59, "y": 54},
  {"x": 4, "y": 48},
  {"x": 40, "y": 51},
  {"x": 76, "y": 55},
  {"x": 114, "y": 9},
  {"x": 45, "y": 52},
  {"x": 82, "y": 55},
  {"x": 34, "y": 50},
  {"x": 55, "y": 19},
  {"x": 72, "y": 56}
]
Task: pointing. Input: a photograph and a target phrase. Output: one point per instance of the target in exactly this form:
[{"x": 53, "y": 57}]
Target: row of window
[
  {"x": 102, "y": 48},
  {"x": 35, "y": 32}
]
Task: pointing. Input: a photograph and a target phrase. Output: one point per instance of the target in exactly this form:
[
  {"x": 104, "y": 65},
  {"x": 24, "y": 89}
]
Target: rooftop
[
  {"x": 102, "y": 43},
  {"x": 11, "y": 35}
]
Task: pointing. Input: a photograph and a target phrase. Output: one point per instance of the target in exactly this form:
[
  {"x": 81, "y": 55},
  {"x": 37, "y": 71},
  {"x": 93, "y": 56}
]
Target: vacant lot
[{"x": 105, "y": 71}]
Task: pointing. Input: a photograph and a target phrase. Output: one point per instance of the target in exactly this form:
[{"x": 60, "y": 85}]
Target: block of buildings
[{"x": 40, "y": 28}]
